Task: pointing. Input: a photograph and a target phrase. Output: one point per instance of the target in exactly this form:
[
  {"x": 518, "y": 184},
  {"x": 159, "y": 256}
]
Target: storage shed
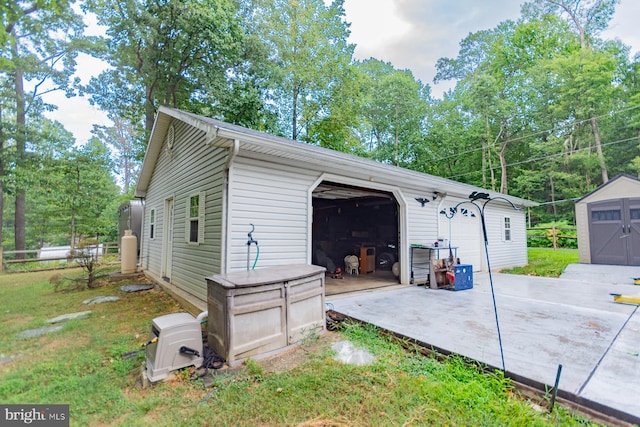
[
  {"x": 608, "y": 223},
  {"x": 221, "y": 198}
]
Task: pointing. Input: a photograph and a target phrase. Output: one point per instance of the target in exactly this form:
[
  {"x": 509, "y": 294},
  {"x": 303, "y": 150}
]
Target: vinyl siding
[
  {"x": 275, "y": 199},
  {"x": 190, "y": 168},
  {"x": 422, "y": 224},
  {"x": 466, "y": 232},
  {"x": 503, "y": 253}
]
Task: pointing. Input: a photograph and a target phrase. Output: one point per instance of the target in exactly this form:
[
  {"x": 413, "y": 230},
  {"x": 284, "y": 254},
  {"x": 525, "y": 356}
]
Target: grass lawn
[
  {"x": 81, "y": 365},
  {"x": 546, "y": 262}
]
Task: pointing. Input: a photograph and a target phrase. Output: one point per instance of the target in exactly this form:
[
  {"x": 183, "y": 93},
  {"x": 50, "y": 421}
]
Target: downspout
[
  {"x": 443, "y": 196},
  {"x": 233, "y": 152},
  {"x": 140, "y": 261}
]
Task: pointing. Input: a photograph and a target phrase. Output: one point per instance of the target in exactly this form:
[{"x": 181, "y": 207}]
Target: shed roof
[
  {"x": 222, "y": 134},
  {"x": 608, "y": 183}
]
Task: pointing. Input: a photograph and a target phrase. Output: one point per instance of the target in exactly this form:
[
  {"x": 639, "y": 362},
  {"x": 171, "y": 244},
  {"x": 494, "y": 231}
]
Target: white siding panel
[
  {"x": 503, "y": 254},
  {"x": 422, "y": 222},
  {"x": 190, "y": 168},
  {"x": 275, "y": 199},
  {"x": 422, "y": 229},
  {"x": 467, "y": 235},
  {"x": 465, "y": 232}
]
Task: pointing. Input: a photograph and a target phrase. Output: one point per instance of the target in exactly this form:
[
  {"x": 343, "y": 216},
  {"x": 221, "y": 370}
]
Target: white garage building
[{"x": 207, "y": 184}]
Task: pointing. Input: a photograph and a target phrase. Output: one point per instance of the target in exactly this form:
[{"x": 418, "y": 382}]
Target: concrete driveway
[{"x": 544, "y": 322}]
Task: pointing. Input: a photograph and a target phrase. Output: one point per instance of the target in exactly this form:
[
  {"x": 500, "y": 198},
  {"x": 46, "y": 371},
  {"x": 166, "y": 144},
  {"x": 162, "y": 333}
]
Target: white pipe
[{"x": 202, "y": 316}]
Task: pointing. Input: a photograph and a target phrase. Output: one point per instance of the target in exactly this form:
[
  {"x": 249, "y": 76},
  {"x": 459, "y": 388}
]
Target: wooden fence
[
  {"x": 9, "y": 257},
  {"x": 555, "y": 237}
]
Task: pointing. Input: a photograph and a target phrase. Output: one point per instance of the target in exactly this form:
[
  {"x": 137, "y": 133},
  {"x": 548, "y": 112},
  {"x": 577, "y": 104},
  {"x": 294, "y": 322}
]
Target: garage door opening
[{"x": 360, "y": 222}]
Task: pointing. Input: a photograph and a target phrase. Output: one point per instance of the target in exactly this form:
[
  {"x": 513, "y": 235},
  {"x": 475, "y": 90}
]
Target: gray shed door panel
[
  {"x": 634, "y": 231},
  {"x": 614, "y": 231}
]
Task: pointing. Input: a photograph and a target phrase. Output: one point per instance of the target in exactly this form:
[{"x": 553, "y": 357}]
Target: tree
[
  {"x": 83, "y": 188},
  {"x": 394, "y": 106},
  {"x": 121, "y": 138},
  {"x": 588, "y": 18},
  {"x": 492, "y": 72},
  {"x": 309, "y": 55},
  {"x": 187, "y": 54},
  {"x": 39, "y": 42}
]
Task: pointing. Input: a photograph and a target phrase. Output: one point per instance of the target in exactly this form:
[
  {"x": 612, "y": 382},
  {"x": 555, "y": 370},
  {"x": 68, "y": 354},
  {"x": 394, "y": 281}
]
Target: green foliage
[
  {"x": 310, "y": 56},
  {"x": 186, "y": 54},
  {"x": 546, "y": 262},
  {"x": 39, "y": 43}
]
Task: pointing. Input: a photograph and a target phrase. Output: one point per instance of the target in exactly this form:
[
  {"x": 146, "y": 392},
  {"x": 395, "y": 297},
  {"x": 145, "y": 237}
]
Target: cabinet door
[
  {"x": 256, "y": 321},
  {"x": 305, "y": 307}
]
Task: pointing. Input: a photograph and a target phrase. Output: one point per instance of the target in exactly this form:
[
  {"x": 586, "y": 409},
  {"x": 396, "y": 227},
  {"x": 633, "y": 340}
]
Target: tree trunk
[
  {"x": 503, "y": 160},
  {"x": 484, "y": 163},
  {"x": 149, "y": 110},
  {"x": 294, "y": 115},
  {"x": 396, "y": 148},
  {"x": 596, "y": 136},
  {"x": 20, "y": 138},
  {"x": 503, "y": 168}
]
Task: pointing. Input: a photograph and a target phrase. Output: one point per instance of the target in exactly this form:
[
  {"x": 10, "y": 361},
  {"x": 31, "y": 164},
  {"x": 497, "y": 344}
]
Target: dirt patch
[{"x": 297, "y": 355}]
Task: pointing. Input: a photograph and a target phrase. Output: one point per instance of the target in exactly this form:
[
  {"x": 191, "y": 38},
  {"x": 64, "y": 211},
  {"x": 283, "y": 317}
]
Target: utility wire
[
  {"x": 520, "y": 138},
  {"x": 550, "y": 156}
]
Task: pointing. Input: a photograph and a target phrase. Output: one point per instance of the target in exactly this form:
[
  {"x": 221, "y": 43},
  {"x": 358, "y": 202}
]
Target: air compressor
[{"x": 175, "y": 342}]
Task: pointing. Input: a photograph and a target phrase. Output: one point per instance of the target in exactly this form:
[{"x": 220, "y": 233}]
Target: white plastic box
[
  {"x": 254, "y": 312},
  {"x": 169, "y": 333}
]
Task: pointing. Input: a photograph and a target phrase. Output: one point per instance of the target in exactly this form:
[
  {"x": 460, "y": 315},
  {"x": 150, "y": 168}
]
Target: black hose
[{"x": 210, "y": 360}]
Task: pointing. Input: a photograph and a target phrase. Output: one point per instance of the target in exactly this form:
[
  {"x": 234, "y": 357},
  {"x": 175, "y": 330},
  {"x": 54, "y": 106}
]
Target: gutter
[{"x": 233, "y": 153}]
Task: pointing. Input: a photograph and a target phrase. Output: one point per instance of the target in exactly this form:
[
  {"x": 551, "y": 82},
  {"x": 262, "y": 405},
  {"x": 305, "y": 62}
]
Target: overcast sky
[{"x": 411, "y": 34}]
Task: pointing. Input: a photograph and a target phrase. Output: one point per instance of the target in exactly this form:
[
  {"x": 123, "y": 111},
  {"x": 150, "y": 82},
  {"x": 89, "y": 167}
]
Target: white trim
[
  {"x": 168, "y": 226},
  {"x": 507, "y": 230},
  {"x": 403, "y": 228},
  {"x": 152, "y": 224},
  {"x": 200, "y": 217}
]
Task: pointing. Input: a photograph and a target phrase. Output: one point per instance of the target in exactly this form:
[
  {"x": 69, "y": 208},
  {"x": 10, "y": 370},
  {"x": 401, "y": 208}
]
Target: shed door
[
  {"x": 633, "y": 229},
  {"x": 614, "y": 231}
]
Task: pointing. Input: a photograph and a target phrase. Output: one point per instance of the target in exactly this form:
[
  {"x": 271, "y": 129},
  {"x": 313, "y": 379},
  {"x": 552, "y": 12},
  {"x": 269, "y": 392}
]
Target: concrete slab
[
  {"x": 616, "y": 381},
  {"x": 612, "y": 274},
  {"x": 543, "y": 323}
]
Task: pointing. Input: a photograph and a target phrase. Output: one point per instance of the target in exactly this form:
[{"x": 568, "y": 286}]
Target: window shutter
[
  {"x": 187, "y": 224},
  {"x": 201, "y": 206}
]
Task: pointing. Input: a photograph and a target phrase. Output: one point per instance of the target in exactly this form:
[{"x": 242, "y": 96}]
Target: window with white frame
[
  {"x": 506, "y": 229},
  {"x": 152, "y": 224},
  {"x": 194, "y": 232}
]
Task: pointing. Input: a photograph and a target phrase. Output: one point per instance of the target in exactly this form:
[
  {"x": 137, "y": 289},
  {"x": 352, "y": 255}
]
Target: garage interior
[{"x": 360, "y": 222}]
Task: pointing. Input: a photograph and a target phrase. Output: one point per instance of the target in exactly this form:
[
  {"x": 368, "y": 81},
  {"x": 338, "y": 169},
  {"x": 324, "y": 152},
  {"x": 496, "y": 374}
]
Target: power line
[
  {"x": 545, "y": 157},
  {"x": 520, "y": 138}
]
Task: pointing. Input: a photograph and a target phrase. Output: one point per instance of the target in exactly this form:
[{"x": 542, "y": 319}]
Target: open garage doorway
[{"x": 350, "y": 222}]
